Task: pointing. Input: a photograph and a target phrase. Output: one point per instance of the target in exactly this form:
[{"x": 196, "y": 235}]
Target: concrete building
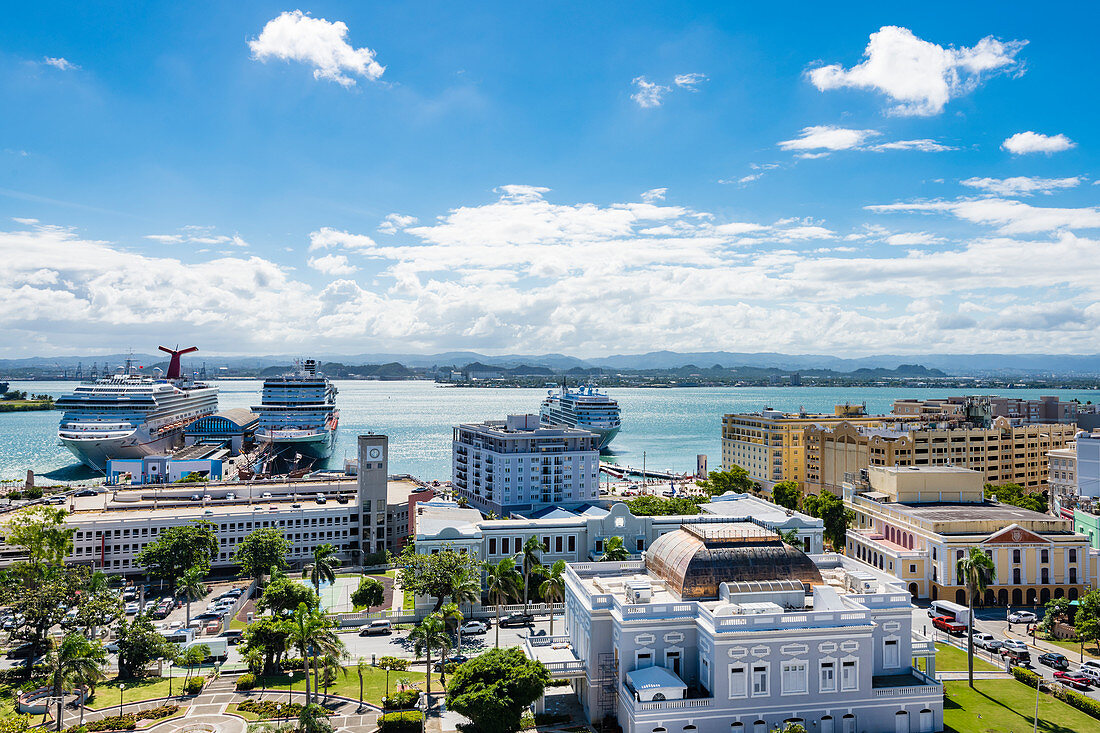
[
  {"x": 235, "y": 428},
  {"x": 723, "y": 629},
  {"x": 1043, "y": 411},
  {"x": 161, "y": 470},
  {"x": 1002, "y": 453},
  {"x": 915, "y": 523},
  {"x": 579, "y": 536},
  {"x": 771, "y": 445},
  {"x": 1062, "y": 479},
  {"x": 513, "y": 465}
]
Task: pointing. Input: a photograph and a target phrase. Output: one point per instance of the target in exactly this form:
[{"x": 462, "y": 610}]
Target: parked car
[
  {"x": 1022, "y": 617},
  {"x": 207, "y": 616},
  {"x": 1055, "y": 661},
  {"x": 1014, "y": 645},
  {"x": 86, "y": 492},
  {"x": 376, "y": 628},
  {"x": 132, "y": 608},
  {"x": 949, "y": 625},
  {"x": 453, "y": 659},
  {"x": 987, "y": 641},
  {"x": 1072, "y": 679},
  {"x": 1094, "y": 663},
  {"x": 22, "y": 651},
  {"x": 474, "y": 627},
  {"x": 213, "y": 627},
  {"x": 111, "y": 646},
  {"x": 320, "y": 498},
  {"x": 517, "y": 619},
  {"x": 233, "y": 636}
]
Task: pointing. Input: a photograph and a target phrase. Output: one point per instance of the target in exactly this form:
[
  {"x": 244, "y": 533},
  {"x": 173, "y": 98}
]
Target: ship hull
[
  {"x": 317, "y": 446},
  {"x": 604, "y": 436},
  {"x": 95, "y": 453}
]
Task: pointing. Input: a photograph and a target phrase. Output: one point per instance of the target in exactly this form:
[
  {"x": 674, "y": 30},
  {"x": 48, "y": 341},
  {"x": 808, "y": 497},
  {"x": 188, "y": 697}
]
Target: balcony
[
  {"x": 912, "y": 684},
  {"x": 556, "y": 654}
]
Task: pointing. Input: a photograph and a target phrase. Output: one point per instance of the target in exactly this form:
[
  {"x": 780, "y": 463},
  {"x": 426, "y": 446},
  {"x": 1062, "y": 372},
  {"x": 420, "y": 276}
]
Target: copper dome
[{"x": 695, "y": 559}]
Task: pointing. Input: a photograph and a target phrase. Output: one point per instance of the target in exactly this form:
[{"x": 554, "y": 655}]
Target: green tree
[
  {"x": 192, "y": 657},
  {"x": 40, "y": 531},
  {"x": 430, "y": 634},
  {"x": 268, "y": 635},
  {"x": 323, "y": 567},
  {"x": 330, "y": 668},
  {"x": 311, "y": 632},
  {"x": 647, "y": 505},
  {"x": 1016, "y": 495},
  {"x": 466, "y": 588},
  {"x": 452, "y": 620},
  {"x": 262, "y": 550},
  {"x": 369, "y": 594},
  {"x": 786, "y": 494},
  {"x": 976, "y": 571},
  {"x": 390, "y": 664},
  {"x": 38, "y": 597},
  {"x": 75, "y": 661},
  {"x": 1086, "y": 623},
  {"x": 493, "y": 689},
  {"x": 502, "y": 584},
  {"x": 283, "y": 595},
  {"x": 177, "y": 550},
  {"x": 435, "y": 575},
  {"x": 1057, "y": 609},
  {"x": 552, "y": 589},
  {"x": 736, "y": 479},
  {"x": 98, "y": 608},
  {"x": 191, "y": 588},
  {"x": 138, "y": 645},
  {"x": 530, "y": 562},
  {"x": 314, "y": 719},
  {"x": 614, "y": 550},
  {"x": 835, "y": 517}
]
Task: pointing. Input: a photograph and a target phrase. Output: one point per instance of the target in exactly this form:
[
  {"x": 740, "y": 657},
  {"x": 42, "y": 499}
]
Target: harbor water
[{"x": 671, "y": 426}]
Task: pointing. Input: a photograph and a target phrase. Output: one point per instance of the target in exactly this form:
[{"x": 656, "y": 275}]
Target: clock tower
[{"x": 373, "y": 480}]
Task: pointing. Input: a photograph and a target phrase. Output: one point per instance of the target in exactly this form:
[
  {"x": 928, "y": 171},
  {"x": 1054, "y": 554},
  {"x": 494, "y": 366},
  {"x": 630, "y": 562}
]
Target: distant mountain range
[{"x": 1080, "y": 365}]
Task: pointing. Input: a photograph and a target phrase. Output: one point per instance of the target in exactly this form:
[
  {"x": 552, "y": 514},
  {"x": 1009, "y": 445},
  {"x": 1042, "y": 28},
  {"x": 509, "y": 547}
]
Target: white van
[
  {"x": 953, "y": 610},
  {"x": 1092, "y": 674}
]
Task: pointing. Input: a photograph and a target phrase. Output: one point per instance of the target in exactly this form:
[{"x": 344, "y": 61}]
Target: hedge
[
  {"x": 1081, "y": 702},
  {"x": 127, "y": 721},
  {"x": 271, "y": 709},
  {"x": 1026, "y": 676},
  {"x": 407, "y": 721},
  {"x": 194, "y": 686},
  {"x": 246, "y": 681},
  {"x": 401, "y": 700}
]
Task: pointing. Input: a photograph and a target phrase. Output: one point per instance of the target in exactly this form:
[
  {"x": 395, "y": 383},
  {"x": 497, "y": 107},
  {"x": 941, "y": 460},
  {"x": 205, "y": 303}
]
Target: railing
[{"x": 534, "y": 641}]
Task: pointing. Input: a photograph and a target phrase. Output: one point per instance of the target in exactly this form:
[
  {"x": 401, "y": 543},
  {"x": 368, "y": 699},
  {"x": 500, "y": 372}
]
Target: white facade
[{"x": 516, "y": 466}]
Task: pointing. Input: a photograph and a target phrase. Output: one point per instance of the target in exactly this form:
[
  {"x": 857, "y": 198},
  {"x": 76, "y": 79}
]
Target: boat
[
  {"x": 132, "y": 414},
  {"x": 298, "y": 413},
  {"x": 584, "y": 407}
]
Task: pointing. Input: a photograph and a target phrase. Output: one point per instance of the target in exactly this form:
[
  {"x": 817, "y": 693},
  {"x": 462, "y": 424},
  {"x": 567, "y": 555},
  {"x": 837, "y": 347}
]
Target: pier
[{"x": 621, "y": 472}]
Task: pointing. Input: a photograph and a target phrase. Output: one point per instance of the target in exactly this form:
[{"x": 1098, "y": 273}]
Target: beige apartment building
[
  {"x": 1003, "y": 453},
  {"x": 771, "y": 444},
  {"x": 915, "y": 523}
]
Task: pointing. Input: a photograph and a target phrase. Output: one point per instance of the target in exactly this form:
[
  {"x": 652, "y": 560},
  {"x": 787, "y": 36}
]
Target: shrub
[
  {"x": 1026, "y": 676},
  {"x": 33, "y": 492},
  {"x": 157, "y": 713},
  {"x": 194, "y": 685},
  {"x": 271, "y": 708},
  {"x": 401, "y": 700},
  {"x": 1081, "y": 702},
  {"x": 407, "y": 721},
  {"x": 15, "y": 495},
  {"x": 114, "y": 722},
  {"x": 558, "y": 683},
  {"x": 246, "y": 681}
]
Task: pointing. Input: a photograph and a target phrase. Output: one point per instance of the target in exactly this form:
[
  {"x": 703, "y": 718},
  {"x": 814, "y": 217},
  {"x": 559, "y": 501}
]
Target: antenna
[{"x": 174, "y": 364}]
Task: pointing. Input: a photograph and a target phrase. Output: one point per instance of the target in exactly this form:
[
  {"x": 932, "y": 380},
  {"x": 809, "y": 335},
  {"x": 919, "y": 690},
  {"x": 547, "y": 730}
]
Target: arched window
[
  {"x": 827, "y": 724},
  {"x": 658, "y": 696}
]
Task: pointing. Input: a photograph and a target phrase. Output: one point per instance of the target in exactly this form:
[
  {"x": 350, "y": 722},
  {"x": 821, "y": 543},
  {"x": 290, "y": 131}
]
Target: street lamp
[
  {"x": 121, "y": 687},
  {"x": 170, "y": 663}
]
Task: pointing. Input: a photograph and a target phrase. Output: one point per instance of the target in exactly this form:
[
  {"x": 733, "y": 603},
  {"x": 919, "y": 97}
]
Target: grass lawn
[
  {"x": 953, "y": 659},
  {"x": 374, "y": 683},
  {"x": 1004, "y": 706},
  {"x": 236, "y": 623},
  {"x": 1073, "y": 648},
  {"x": 106, "y": 693}
]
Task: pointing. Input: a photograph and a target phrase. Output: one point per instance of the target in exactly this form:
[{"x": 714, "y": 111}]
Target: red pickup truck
[{"x": 949, "y": 625}]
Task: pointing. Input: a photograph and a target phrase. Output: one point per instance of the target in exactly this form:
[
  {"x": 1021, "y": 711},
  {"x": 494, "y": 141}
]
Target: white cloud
[
  {"x": 1022, "y": 185},
  {"x": 919, "y": 76},
  {"x": 326, "y": 238},
  {"x": 393, "y": 222},
  {"x": 828, "y": 137},
  {"x": 654, "y": 194},
  {"x": 1010, "y": 217},
  {"x": 912, "y": 239},
  {"x": 1023, "y": 143},
  {"x": 689, "y": 81},
  {"x": 295, "y": 36},
  {"x": 647, "y": 93},
  {"x": 924, "y": 146},
  {"x": 332, "y": 265},
  {"x": 59, "y": 62},
  {"x": 193, "y": 234}
]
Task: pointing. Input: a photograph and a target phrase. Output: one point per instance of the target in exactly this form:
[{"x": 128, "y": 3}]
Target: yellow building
[
  {"x": 1003, "y": 453},
  {"x": 770, "y": 444},
  {"x": 917, "y": 522}
]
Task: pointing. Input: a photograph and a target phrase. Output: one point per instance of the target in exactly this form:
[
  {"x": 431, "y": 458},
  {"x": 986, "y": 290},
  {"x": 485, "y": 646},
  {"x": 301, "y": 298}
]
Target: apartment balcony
[
  {"x": 912, "y": 684},
  {"x": 556, "y": 654}
]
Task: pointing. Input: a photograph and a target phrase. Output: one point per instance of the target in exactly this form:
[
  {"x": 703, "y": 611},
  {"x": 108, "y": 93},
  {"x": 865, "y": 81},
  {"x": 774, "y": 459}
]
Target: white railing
[
  {"x": 534, "y": 641},
  {"x": 680, "y": 703}
]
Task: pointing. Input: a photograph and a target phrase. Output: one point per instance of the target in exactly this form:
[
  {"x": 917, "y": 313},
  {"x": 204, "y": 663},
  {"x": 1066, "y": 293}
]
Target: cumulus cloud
[
  {"x": 1022, "y": 185},
  {"x": 647, "y": 93},
  {"x": 919, "y": 76},
  {"x": 828, "y": 137},
  {"x": 295, "y": 36},
  {"x": 332, "y": 265},
  {"x": 1010, "y": 217},
  {"x": 329, "y": 238},
  {"x": 59, "y": 62},
  {"x": 393, "y": 222},
  {"x": 1023, "y": 143}
]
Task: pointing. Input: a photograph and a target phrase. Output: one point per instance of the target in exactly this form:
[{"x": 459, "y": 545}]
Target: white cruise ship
[
  {"x": 298, "y": 413},
  {"x": 585, "y": 408},
  {"x": 130, "y": 415}
]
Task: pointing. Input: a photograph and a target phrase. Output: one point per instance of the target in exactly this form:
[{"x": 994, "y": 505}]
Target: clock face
[{"x": 375, "y": 453}]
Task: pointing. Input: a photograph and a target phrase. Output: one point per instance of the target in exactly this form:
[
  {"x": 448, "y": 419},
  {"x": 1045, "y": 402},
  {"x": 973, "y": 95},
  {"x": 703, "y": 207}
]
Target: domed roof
[{"x": 695, "y": 559}]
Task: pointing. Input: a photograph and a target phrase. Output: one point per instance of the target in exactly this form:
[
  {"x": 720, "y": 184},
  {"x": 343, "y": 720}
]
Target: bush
[
  {"x": 33, "y": 493},
  {"x": 1081, "y": 702},
  {"x": 403, "y": 722},
  {"x": 558, "y": 683},
  {"x": 291, "y": 663},
  {"x": 246, "y": 681},
  {"x": 114, "y": 722},
  {"x": 1026, "y": 676},
  {"x": 15, "y": 495},
  {"x": 194, "y": 686},
  {"x": 157, "y": 713},
  {"x": 401, "y": 700},
  {"x": 271, "y": 709}
]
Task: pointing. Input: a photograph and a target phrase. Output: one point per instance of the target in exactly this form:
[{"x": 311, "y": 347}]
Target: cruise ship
[
  {"x": 298, "y": 413},
  {"x": 131, "y": 415},
  {"x": 584, "y": 407}
]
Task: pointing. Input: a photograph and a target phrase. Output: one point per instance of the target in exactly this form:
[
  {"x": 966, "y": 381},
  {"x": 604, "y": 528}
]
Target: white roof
[{"x": 648, "y": 678}]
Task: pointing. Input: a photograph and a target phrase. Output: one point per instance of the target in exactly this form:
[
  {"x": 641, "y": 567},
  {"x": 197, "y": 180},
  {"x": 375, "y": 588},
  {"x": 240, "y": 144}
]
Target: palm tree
[
  {"x": 502, "y": 584},
  {"x": 467, "y": 587},
  {"x": 75, "y": 661},
  {"x": 553, "y": 588},
  {"x": 452, "y": 613},
  {"x": 191, "y": 657},
  {"x": 191, "y": 588},
  {"x": 431, "y": 634},
  {"x": 311, "y": 631},
  {"x": 614, "y": 550},
  {"x": 330, "y": 666},
  {"x": 359, "y": 667},
  {"x": 976, "y": 571},
  {"x": 323, "y": 567},
  {"x": 529, "y": 557}
]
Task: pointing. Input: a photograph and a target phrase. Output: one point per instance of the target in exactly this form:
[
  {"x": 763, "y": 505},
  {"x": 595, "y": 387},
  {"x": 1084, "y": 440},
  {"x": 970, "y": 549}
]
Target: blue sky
[{"x": 550, "y": 177}]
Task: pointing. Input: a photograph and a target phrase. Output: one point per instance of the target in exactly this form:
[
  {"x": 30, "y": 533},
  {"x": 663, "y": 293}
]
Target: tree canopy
[
  {"x": 786, "y": 494},
  {"x": 42, "y": 534},
  {"x": 370, "y": 593},
  {"x": 283, "y": 595},
  {"x": 719, "y": 482},
  {"x": 830, "y": 509},
  {"x": 138, "y": 645},
  {"x": 651, "y": 506},
  {"x": 268, "y": 635},
  {"x": 434, "y": 575},
  {"x": 1015, "y": 495},
  {"x": 493, "y": 689},
  {"x": 179, "y": 549},
  {"x": 262, "y": 550}
]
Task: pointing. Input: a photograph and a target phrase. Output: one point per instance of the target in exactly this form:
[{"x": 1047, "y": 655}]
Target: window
[
  {"x": 760, "y": 680},
  {"x": 1015, "y": 576},
  {"x": 546, "y": 543},
  {"x": 641, "y": 545},
  {"x": 793, "y": 677},
  {"x": 1073, "y": 576},
  {"x": 738, "y": 681},
  {"x": 912, "y": 569},
  {"x": 849, "y": 676},
  {"x": 891, "y": 654},
  {"x": 1044, "y": 555},
  {"x": 504, "y": 545},
  {"x": 1016, "y": 556},
  {"x": 644, "y": 659},
  {"x": 828, "y": 677},
  {"x": 557, "y": 544},
  {"x": 1073, "y": 555},
  {"x": 599, "y": 545},
  {"x": 572, "y": 544}
]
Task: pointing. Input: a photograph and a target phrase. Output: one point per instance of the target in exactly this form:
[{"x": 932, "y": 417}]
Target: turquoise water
[{"x": 670, "y": 425}]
